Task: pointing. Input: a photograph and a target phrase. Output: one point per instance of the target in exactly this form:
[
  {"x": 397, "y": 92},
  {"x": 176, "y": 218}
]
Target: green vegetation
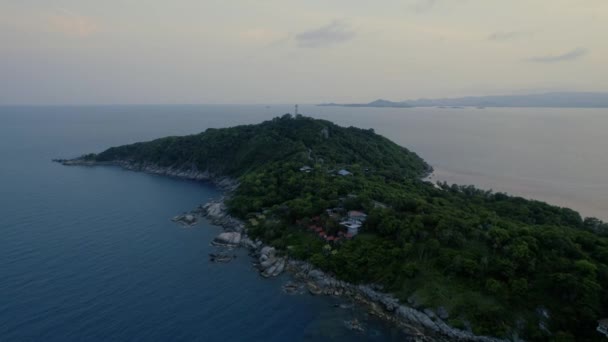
[{"x": 499, "y": 263}]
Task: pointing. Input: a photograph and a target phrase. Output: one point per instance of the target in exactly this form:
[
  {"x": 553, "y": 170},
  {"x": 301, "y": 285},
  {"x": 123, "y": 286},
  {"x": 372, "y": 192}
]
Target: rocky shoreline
[
  {"x": 428, "y": 323},
  {"x": 226, "y": 184},
  {"x": 271, "y": 263}
]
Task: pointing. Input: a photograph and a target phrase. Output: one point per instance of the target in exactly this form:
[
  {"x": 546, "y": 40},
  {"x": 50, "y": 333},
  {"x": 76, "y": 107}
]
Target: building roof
[
  {"x": 357, "y": 213},
  {"x": 344, "y": 172},
  {"x": 351, "y": 224}
]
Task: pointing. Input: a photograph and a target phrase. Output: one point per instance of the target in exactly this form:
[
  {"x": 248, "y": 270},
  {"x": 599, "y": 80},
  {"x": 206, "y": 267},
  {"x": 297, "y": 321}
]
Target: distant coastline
[{"x": 546, "y": 100}]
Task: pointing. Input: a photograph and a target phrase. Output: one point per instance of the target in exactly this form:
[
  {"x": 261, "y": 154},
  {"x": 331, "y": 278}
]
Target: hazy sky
[{"x": 288, "y": 51}]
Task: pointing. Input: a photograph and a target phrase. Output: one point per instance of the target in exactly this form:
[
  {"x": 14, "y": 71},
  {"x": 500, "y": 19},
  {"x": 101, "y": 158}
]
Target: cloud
[
  {"x": 72, "y": 24},
  {"x": 568, "y": 56},
  {"x": 334, "y": 33},
  {"x": 502, "y": 36}
]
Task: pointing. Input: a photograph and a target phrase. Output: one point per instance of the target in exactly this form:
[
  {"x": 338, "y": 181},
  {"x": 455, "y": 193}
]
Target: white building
[
  {"x": 351, "y": 226},
  {"x": 354, "y": 222},
  {"x": 357, "y": 216}
]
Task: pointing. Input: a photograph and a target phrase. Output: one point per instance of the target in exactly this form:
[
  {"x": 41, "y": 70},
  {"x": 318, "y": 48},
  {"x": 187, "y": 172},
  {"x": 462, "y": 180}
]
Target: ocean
[{"x": 90, "y": 253}]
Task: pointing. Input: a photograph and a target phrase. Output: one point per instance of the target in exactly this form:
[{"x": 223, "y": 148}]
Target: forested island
[{"x": 356, "y": 205}]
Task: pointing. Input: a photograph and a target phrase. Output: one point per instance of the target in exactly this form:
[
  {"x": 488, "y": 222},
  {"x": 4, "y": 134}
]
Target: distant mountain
[
  {"x": 561, "y": 99},
  {"x": 377, "y": 103}
]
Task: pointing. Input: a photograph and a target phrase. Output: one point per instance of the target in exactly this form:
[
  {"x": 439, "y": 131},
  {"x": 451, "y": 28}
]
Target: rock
[
  {"x": 185, "y": 219},
  {"x": 316, "y": 274},
  {"x": 279, "y": 269},
  {"x": 267, "y": 251},
  {"x": 320, "y": 283},
  {"x": 267, "y": 263},
  {"x": 247, "y": 243},
  {"x": 291, "y": 288},
  {"x": 221, "y": 257},
  {"x": 229, "y": 239},
  {"x": 430, "y": 313},
  {"x": 390, "y": 303},
  {"x": 215, "y": 210},
  {"x": 354, "y": 324},
  {"x": 313, "y": 288}
]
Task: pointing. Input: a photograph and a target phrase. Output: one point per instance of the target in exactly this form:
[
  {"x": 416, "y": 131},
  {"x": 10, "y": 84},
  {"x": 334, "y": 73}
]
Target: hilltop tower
[{"x": 296, "y": 111}]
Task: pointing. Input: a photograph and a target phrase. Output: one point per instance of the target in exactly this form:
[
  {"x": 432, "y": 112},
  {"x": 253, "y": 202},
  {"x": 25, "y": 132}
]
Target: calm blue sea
[{"x": 89, "y": 254}]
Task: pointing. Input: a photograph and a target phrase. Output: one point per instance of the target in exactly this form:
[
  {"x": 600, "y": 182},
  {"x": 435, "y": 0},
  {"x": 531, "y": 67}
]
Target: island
[
  {"x": 546, "y": 100},
  {"x": 352, "y": 212}
]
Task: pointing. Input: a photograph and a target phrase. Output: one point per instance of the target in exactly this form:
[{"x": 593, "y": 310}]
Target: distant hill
[
  {"x": 377, "y": 103},
  {"x": 238, "y": 150},
  {"x": 549, "y": 100}
]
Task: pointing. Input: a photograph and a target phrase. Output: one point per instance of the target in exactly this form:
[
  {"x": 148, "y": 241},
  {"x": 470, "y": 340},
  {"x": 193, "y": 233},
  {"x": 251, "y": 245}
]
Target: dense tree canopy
[{"x": 500, "y": 264}]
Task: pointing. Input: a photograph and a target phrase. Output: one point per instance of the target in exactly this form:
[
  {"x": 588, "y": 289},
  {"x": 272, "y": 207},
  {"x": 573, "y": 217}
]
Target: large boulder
[
  {"x": 266, "y": 262},
  {"x": 267, "y": 251},
  {"x": 216, "y": 210},
  {"x": 230, "y": 239},
  {"x": 247, "y": 243}
]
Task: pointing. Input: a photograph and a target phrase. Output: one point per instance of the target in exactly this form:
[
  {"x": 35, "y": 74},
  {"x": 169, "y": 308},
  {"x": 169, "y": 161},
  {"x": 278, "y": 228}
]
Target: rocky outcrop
[
  {"x": 216, "y": 212},
  {"x": 221, "y": 257},
  {"x": 185, "y": 219},
  {"x": 385, "y": 305},
  {"x": 178, "y": 171},
  {"x": 269, "y": 263},
  {"x": 227, "y": 239}
]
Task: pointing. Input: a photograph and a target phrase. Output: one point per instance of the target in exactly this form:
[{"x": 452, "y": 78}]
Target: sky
[{"x": 296, "y": 51}]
